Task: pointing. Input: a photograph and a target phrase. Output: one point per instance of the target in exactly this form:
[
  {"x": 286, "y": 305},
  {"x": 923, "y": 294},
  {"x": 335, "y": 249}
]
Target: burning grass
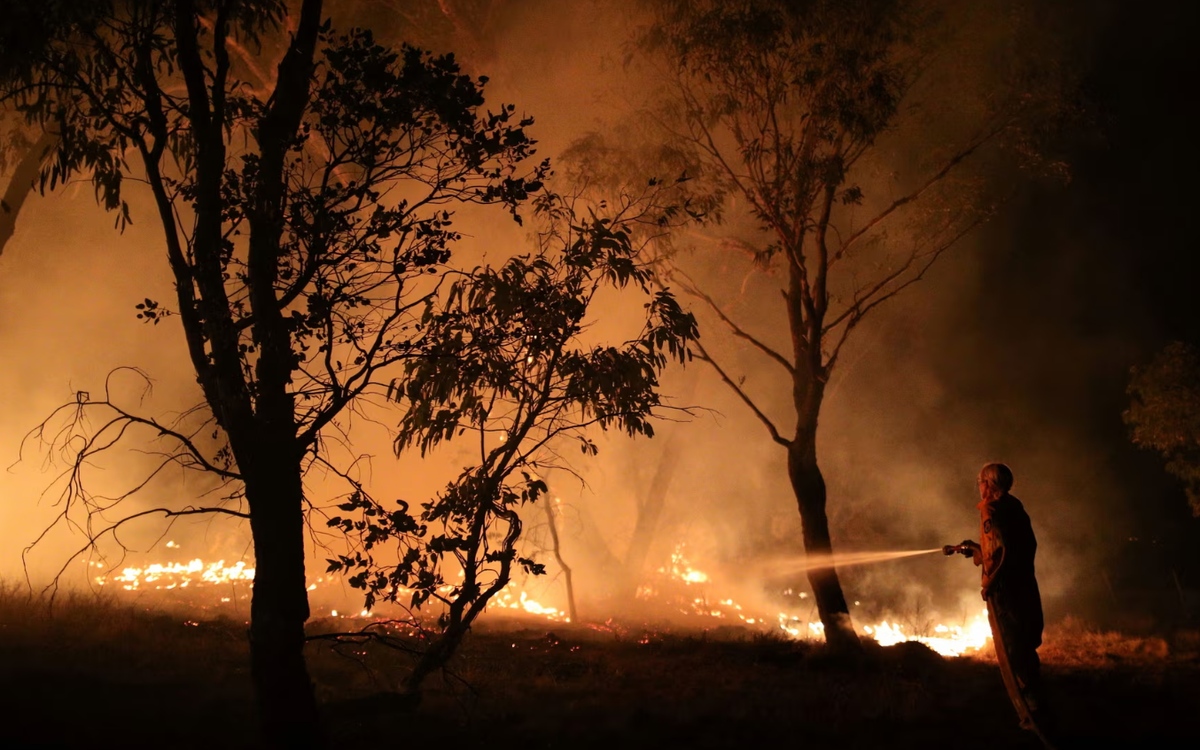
[
  {"x": 678, "y": 588},
  {"x": 99, "y": 673}
]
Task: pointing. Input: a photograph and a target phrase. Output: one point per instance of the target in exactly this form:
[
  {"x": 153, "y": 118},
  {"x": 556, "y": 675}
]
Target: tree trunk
[
  {"x": 572, "y": 612},
  {"x": 21, "y": 184},
  {"x": 809, "y": 486},
  {"x": 650, "y": 509},
  {"x": 435, "y": 657},
  {"x": 287, "y": 706}
]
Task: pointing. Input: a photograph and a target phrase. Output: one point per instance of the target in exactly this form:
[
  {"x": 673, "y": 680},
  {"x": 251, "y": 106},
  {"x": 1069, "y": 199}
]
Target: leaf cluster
[
  {"x": 388, "y": 142},
  {"x": 81, "y": 69},
  {"x": 800, "y": 90},
  {"x": 1164, "y": 413},
  {"x": 506, "y": 361}
]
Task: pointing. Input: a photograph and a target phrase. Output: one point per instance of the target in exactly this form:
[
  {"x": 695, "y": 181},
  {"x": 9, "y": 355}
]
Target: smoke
[{"x": 930, "y": 388}]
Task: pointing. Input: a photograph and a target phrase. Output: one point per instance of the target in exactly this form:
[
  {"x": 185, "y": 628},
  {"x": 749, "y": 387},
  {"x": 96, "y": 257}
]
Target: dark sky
[{"x": 1085, "y": 281}]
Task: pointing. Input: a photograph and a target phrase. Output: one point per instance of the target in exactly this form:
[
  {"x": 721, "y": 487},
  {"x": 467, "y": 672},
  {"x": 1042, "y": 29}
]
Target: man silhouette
[{"x": 1005, "y": 553}]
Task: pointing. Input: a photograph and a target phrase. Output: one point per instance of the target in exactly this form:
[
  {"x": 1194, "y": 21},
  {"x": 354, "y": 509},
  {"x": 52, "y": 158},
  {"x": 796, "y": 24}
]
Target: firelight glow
[
  {"x": 178, "y": 575},
  {"x": 947, "y": 640}
]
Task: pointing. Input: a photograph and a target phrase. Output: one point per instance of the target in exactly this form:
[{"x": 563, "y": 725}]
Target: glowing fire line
[
  {"x": 178, "y": 575},
  {"x": 947, "y": 640},
  {"x": 197, "y": 573}
]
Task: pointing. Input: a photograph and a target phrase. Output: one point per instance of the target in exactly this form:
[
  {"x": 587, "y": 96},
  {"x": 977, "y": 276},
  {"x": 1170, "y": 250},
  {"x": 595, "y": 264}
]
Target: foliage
[
  {"x": 780, "y": 111},
  {"x": 507, "y": 361},
  {"x": 307, "y": 225},
  {"x": 801, "y": 89},
  {"x": 1164, "y": 413},
  {"x": 389, "y": 140}
]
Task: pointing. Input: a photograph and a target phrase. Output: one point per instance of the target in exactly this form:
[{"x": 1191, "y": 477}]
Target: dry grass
[
  {"x": 96, "y": 673},
  {"x": 1072, "y": 643}
]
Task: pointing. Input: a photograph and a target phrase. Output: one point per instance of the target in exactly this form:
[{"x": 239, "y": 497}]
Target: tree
[
  {"x": 27, "y": 30},
  {"x": 307, "y": 229},
  {"x": 22, "y": 182},
  {"x": 509, "y": 364},
  {"x": 777, "y": 109},
  {"x": 1164, "y": 413}
]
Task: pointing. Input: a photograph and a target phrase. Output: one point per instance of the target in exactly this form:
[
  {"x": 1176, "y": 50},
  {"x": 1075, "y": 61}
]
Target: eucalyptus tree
[
  {"x": 778, "y": 111},
  {"x": 1164, "y": 413},
  {"x": 27, "y": 30},
  {"x": 514, "y": 367},
  {"x": 306, "y": 223}
]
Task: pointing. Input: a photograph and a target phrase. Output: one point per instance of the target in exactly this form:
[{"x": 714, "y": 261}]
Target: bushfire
[{"x": 947, "y": 640}]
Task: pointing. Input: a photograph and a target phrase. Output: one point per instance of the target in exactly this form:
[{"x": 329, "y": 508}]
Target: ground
[{"x": 101, "y": 674}]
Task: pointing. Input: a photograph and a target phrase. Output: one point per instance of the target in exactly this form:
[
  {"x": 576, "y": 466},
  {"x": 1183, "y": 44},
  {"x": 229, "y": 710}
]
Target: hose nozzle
[{"x": 966, "y": 549}]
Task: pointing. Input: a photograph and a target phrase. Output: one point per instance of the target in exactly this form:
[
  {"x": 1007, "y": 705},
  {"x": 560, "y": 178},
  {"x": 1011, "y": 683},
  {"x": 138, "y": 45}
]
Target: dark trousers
[{"x": 1020, "y": 617}]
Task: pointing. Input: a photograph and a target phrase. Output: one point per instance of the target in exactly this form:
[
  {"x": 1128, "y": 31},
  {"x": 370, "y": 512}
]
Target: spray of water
[{"x": 801, "y": 563}]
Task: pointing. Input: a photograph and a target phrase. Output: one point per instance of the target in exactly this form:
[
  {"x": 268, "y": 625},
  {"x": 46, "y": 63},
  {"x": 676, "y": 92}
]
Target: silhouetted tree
[
  {"x": 1164, "y": 413},
  {"x": 510, "y": 363},
  {"x": 27, "y": 30},
  {"x": 306, "y": 225},
  {"x": 22, "y": 181},
  {"x": 775, "y": 108}
]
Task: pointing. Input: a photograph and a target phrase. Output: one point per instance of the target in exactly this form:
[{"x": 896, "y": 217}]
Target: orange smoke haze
[{"x": 898, "y": 447}]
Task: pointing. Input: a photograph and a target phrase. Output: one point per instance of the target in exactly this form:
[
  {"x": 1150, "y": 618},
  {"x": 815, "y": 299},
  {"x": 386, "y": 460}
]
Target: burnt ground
[{"x": 101, "y": 675}]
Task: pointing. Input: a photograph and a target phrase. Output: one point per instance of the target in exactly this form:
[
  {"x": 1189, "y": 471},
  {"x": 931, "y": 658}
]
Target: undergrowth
[{"x": 93, "y": 671}]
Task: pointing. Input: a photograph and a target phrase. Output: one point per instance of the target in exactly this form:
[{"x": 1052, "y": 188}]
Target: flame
[
  {"x": 178, "y": 575},
  {"x": 680, "y": 569},
  {"x": 505, "y": 600},
  {"x": 947, "y": 641}
]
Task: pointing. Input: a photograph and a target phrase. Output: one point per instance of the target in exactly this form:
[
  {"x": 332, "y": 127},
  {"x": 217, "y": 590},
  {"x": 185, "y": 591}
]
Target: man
[{"x": 1010, "y": 588}]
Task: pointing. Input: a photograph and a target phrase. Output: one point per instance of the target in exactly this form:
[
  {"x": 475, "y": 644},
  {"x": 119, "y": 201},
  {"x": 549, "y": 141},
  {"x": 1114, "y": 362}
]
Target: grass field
[{"x": 100, "y": 674}]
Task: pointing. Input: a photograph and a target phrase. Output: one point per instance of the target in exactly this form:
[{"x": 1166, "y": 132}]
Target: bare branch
[
  {"x": 916, "y": 194},
  {"x": 689, "y": 286},
  {"x": 863, "y": 305},
  {"x": 701, "y": 354},
  {"x": 375, "y": 632},
  {"x": 93, "y": 539}
]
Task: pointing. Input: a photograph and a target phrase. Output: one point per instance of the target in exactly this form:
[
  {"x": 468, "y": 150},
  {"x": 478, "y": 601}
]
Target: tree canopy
[
  {"x": 514, "y": 368},
  {"x": 781, "y": 115},
  {"x": 308, "y": 222},
  {"x": 1164, "y": 413}
]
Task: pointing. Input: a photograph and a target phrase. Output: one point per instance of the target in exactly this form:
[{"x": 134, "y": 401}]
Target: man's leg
[{"x": 1027, "y": 668}]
